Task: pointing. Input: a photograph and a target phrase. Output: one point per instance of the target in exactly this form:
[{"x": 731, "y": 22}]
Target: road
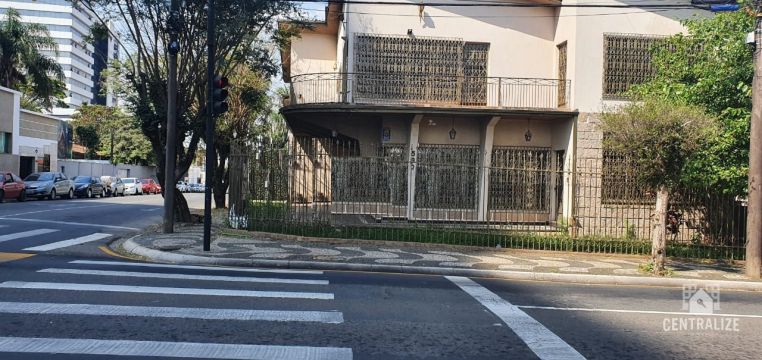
[{"x": 77, "y": 302}]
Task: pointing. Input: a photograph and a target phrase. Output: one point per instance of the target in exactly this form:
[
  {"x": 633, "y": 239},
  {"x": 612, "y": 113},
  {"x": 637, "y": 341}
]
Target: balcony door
[{"x": 475, "y": 57}]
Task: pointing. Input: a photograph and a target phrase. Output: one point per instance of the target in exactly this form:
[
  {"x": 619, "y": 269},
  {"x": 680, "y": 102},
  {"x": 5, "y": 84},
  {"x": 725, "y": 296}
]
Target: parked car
[
  {"x": 116, "y": 188},
  {"x": 150, "y": 186},
  {"x": 49, "y": 185},
  {"x": 12, "y": 187},
  {"x": 108, "y": 181},
  {"x": 88, "y": 186},
  {"x": 132, "y": 186},
  {"x": 181, "y": 186},
  {"x": 197, "y": 188}
]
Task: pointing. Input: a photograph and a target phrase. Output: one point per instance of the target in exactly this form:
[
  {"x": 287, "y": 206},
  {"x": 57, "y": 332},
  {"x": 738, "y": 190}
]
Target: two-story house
[{"x": 480, "y": 112}]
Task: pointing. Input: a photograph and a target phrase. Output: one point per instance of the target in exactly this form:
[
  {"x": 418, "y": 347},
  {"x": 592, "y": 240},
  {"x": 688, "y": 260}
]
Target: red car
[
  {"x": 150, "y": 186},
  {"x": 12, "y": 187}
]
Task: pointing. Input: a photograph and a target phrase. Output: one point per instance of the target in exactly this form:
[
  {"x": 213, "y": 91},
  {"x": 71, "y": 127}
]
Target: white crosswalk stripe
[
  {"x": 183, "y": 276},
  {"x": 170, "y": 349},
  {"x": 71, "y": 242},
  {"x": 164, "y": 290},
  {"x": 114, "y": 272},
  {"x": 195, "y": 267},
  {"x": 25, "y": 234},
  {"x": 328, "y": 317}
]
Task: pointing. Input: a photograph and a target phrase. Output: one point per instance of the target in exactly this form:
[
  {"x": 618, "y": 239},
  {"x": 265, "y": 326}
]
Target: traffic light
[{"x": 220, "y": 94}]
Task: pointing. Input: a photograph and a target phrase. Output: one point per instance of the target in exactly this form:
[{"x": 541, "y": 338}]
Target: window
[
  {"x": 447, "y": 176},
  {"x": 520, "y": 178},
  {"x": 5, "y": 143},
  {"x": 619, "y": 181},
  {"x": 419, "y": 69},
  {"x": 627, "y": 62},
  {"x": 562, "y": 73}
]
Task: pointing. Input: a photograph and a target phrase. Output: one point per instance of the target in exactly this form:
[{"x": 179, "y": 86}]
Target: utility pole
[
  {"x": 754, "y": 219},
  {"x": 170, "y": 162},
  {"x": 209, "y": 127}
]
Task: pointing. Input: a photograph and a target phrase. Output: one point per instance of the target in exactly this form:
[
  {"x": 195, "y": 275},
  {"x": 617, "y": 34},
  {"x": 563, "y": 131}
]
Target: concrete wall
[
  {"x": 9, "y": 162},
  {"x": 103, "y": 168},
  {"x": 313, "y": 53}
]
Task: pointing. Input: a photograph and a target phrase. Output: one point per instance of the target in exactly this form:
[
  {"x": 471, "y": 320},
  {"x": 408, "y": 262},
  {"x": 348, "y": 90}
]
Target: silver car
[
  {"x": 114, "y": 185},
  {"x": 49, "y": 185}
]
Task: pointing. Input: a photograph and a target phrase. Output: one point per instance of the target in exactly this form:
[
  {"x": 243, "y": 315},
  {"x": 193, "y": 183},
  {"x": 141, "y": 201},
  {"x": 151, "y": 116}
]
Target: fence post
[{"x": 499, "y": 92}]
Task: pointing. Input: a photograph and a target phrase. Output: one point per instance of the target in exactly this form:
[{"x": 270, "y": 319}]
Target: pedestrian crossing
[
  {"x": 89, "y": 282},
  {"x": 27, "y": 236}
]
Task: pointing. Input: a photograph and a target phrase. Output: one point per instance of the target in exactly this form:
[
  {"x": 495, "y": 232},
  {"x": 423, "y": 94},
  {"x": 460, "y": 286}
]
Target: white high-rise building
[{"x": 69, "y": 26}]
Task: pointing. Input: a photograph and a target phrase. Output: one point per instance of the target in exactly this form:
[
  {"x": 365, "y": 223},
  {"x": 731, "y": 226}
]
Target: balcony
[{"x": 430, "y": 91}]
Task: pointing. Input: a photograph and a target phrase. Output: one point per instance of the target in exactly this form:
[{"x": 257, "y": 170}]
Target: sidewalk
[{"x": 238, "y": 248}]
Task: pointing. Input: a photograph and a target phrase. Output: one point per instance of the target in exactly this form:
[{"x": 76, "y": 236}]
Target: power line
[{"x": 483, "y": 3}]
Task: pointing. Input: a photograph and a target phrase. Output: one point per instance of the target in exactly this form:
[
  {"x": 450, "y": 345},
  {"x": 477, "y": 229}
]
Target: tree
[
  {"x": 662, "y": 137},
  {"x": 24, "y": 67},
  {"x": 87, "y": 135},
  {"x": 249, "y": 107},
  {"x": 143, "y": 75},
  {"x": 130, "y": 145},
  {"x": 711, "y": 67}
]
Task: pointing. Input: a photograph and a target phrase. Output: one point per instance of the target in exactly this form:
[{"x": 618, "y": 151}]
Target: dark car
[
  {"x": 88, "y": 186},
  {"x": 12, "y": 187}
]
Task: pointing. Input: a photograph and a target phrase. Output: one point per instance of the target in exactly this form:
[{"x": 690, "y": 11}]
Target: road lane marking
[
  {"x": 164, "y": 290},
  {"x": 327, "y": 317},
  {"x": 544, "y": 343},
  {"x": 5, "y": 257},
  {"x": 71, "y": 242},
  {"x": 70, "y": 223},
  {"x": 183, "y": 276},
  {"x": 58, "y": 209},
  {"x": 111, "y": 253},
  {"x": 24, "y": 234},
  {"x": 195, "y": 267},
  {"x": 636, "y": 311},
  {"x": 170, "y": 349}
]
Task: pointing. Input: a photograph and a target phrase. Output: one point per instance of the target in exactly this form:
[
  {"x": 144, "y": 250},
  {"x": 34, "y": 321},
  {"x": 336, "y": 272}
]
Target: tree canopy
[
  {"x": 130, "y": 145},
  {"x": 245, "y": 37},
  {"x": 25, "y": 67},
  {"x": 711, "y": 67}
]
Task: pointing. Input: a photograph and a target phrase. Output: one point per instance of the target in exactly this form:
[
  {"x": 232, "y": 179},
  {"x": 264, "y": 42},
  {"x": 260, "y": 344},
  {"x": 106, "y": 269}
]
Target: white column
[
  {"x": 412, "y": 164},
  {"x": 487, "y": 140}
]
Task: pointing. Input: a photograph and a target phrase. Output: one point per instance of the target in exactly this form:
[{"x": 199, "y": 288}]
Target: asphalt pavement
[{"x": 79, "y": 302}]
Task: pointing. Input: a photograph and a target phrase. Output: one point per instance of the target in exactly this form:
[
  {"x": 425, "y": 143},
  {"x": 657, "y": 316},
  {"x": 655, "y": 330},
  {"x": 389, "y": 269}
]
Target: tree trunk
[{"x": 659, "y": 234}]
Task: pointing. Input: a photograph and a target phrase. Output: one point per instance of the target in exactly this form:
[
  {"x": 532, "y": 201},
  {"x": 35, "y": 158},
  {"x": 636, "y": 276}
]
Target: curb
[{"x": 160, "y": 256}]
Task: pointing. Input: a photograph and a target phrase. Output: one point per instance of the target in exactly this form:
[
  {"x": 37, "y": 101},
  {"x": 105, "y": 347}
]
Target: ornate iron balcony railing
[{"x": 430, "y": 90}]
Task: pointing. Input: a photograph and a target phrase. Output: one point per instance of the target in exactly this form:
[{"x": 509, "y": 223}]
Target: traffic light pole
[
  {"x": 210, "y": 156},
  {"x": 170, "y": 161},
  {"x": 754, "y": 216}
]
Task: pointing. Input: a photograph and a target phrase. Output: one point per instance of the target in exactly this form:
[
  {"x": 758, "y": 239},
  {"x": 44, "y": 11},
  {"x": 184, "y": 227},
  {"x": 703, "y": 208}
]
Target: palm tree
[{"x": 24, "y": 67}]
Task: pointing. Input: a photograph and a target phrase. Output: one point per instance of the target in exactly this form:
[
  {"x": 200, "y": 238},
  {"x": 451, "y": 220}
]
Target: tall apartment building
[{"x": 81, "y": 61}]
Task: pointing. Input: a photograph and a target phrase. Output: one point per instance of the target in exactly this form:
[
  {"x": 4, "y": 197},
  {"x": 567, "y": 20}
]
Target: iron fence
[
  {"x": 525, "y": 198},
  {"x": 442, "y": 90}
]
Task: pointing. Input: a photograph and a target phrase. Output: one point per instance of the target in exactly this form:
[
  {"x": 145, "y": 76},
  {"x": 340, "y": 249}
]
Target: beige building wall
[
  {"x": 521, "y": 39},
  {"x": 585, "y": 47},
  {"x": 313, "y": 53}
]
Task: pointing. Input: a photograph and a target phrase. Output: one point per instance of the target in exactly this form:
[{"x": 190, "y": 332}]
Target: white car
[
  {"x": 132, "y": 186},
  {"x": 182, "y": 186}
]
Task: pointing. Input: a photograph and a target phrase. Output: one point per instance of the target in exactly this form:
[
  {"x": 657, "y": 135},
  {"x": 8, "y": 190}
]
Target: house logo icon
[{"x": 701, "y": 300}]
